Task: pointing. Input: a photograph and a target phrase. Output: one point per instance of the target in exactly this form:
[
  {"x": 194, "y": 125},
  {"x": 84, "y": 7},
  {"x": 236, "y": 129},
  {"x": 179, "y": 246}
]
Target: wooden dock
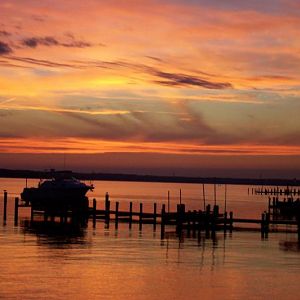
[
  {"x": 276, "y": 191},
  {"x": 210, "y": 220}
]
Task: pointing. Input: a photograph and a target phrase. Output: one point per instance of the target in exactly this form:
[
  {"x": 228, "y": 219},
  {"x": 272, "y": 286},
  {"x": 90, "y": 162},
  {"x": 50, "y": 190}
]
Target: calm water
[{"x": 97, "y": 263}]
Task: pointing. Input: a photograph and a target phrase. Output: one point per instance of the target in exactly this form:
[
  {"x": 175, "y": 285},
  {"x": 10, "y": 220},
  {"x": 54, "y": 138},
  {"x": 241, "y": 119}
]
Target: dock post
[
  {"x": 199, "y": 219},
  {"x": 32, "y": 213},
  {"x": 117, "y": 215},
  {"x": 214, "y": 219},
  {"x": 16, "y": 210},
  {"x": 262, "y": 225},
  {"x": 106, "y": 197},
  {"x": 180, "y": 217},
  {"x": 188, "y": 217},
  {"x": 141, "y": 216},
  {"x": 5, "y": 206},
  {"x": 225, "y": 221},
  {"x": 130, "y": 215},
  {"x": 194, "y": 220},
  {"x": 207, "y": 219},
  {"x": 216, "y": 210},
  {"x": 163, "y": 220},
  {"x": 107, "y": 209},
  {"x": 230, "y": 221},
  {"x": 94, "y": 212},
  {"x": 208, "y": 207},
  {"x": 267, "y": 223},
  {"x": 154, "y": 216}
]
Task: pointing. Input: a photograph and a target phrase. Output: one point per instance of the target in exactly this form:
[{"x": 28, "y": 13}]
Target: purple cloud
[
  {"x": 49, "y": 41},
  {"x": 5, "y": 49}
]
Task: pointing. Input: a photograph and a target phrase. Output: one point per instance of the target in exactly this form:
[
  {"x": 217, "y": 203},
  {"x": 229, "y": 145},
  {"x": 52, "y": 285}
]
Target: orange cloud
[
  {"x": 129, "y": 76},
  {"x": 92, "y": 146}
]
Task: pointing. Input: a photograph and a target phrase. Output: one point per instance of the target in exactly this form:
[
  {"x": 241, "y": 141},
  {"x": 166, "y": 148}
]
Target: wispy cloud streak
[
  {"x": 50, "y": 41},
  {"x": 71, "y": 145},
  {"x": 195, "y": 77},
  {"x": 187, "y": 80}
]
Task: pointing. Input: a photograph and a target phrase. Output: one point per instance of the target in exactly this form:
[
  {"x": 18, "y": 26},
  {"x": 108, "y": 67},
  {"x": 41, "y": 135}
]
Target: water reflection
[
  {"x": 56, "y": 235},
  {"x": 293, "y": 246},
  {"x": 201, "y": 250}
]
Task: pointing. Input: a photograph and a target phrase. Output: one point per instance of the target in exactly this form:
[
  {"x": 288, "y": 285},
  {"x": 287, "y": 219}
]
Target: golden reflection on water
[{"x": 41, "y": 261}]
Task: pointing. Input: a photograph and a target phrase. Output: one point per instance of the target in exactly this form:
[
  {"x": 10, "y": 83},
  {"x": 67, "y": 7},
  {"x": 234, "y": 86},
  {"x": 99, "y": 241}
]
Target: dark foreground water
[{"x": 38, "y": 262}]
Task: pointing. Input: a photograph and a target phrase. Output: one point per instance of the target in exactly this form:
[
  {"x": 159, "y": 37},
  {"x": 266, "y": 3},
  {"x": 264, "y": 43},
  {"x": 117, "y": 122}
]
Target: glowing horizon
[{"x": 192, "y": 77}]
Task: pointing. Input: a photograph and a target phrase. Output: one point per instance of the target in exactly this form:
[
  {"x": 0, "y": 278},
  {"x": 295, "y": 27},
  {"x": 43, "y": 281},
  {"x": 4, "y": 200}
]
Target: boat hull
[{"x": 56, "y": 199}]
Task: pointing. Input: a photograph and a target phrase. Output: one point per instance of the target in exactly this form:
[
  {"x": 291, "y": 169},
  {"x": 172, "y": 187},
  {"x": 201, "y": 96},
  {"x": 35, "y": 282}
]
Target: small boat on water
[
  {"x": 289, "y": 208},
  {"x": 61, "y": 192}
]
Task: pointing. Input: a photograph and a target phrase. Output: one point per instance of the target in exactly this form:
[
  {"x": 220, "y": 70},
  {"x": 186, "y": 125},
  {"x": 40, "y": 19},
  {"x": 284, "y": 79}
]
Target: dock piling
[
  {"x": 163, "y": 220},
  {"x": 16, "y": 210},
  {"x": 180, "y": 217},
  {"x": 199, "y": 220},
  {"x": 141, "y": 216},
  {"x": 94, "y": 211},
  {"x": 117, "y": 215},
  {"x": 188, "y": 219},
  {"x": 207, "y": 219},
  {"x": 267, "y": 223},
  {"x": 130, "y": 215},
  {"x": 32, "y": 214},
  {"x": 225, "y": 222},
  {"x": 107, "y": 209},
  {"x": 154, "y": 215},
  {"x": 231, "y": 221},
  {"x": 215, "y": 218},
  {"x": 263, "y": 225},
  {"x": 5, "y": 206}
]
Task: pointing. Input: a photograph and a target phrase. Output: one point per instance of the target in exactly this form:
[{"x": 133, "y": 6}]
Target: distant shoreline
[{"x": 7, "y": 173}]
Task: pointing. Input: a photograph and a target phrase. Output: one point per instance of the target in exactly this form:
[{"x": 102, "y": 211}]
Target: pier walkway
[{"x": 210, "y": 220}]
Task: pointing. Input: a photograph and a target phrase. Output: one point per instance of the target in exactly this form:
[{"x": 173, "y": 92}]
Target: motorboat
[{"x": 60, "y": 192}]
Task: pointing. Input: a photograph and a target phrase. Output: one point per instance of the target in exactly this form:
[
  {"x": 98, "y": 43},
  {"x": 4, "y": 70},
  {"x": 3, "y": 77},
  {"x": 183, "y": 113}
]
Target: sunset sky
[{"x": 162, "y": 87}]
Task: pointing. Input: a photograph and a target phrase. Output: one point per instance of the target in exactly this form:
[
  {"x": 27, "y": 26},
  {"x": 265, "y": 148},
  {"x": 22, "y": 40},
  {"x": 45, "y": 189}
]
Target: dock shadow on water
[
  {"x": 291, "y": 246},
  {"x": 54, "y": 234}
]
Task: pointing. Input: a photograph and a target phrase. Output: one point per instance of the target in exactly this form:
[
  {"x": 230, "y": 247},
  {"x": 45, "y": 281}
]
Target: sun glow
[
  {"x": 142, "y": 76},
  {"x": 92, "y": 146}
]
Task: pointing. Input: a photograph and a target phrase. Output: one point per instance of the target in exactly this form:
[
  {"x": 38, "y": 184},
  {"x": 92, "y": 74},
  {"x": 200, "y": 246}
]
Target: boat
[
  {"x": 289, "y": 208},
  {"x": 62, "y": 192}
]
